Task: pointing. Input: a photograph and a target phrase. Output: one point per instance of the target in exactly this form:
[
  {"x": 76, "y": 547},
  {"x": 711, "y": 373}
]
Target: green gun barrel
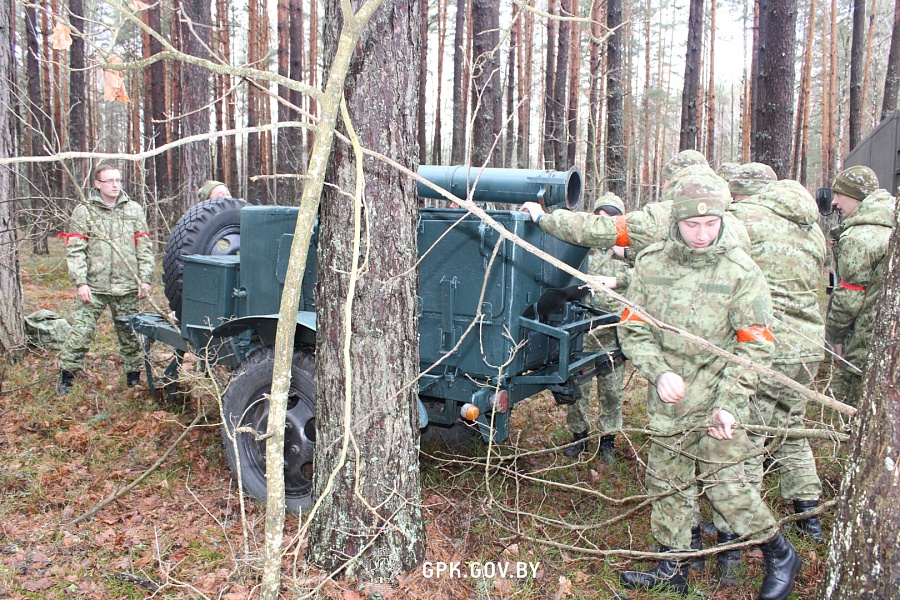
[{"x": 512, "y": 186}]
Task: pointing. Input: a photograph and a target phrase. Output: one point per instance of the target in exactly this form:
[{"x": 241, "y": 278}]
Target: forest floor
[{"x": 179, "y": 534}]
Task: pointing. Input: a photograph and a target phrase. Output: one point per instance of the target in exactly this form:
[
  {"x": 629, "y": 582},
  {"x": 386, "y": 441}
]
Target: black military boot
[
  {"x": 697, "y": 563},
  {"x": 782, "y": 564},
  {"x": 66, "y": 381},
  {"x": 132, "y": 378},
  {"x": 728, "y": 562},
  {"x": 576, "y": 449},
  {"x": 608, "y": 449},
  {"x": 671, "y": 574},
  {"x": 810, "y": 526}
]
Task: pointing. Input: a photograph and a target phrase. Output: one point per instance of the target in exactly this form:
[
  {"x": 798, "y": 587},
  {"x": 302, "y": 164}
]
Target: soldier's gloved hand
[
  {"x": 533, "y": 209},
  {"x": 723, "y": 424},
  {"x": 670, "y": 387},
  {"x": 144, "y": 290},
  {"x": 619, "y": 251},
  {"x": 84, "y": 293}
]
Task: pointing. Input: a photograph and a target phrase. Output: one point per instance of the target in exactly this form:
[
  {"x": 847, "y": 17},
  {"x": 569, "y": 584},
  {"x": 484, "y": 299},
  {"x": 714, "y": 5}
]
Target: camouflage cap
[
  {"x": 683, "y": 159},
  {"x": 607, "y": 201},
  {"x": 204, "y": 192},
  {"x": 751, "y": 178},
  {"x": 727, "y": 170},
  {"x": 698, "y": 196},
  {"x": 856, "y": 182},
  {"x": 694, "y": 171}
]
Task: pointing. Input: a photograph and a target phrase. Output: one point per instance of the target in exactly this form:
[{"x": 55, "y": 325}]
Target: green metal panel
[{"x": 209, "y": 289}]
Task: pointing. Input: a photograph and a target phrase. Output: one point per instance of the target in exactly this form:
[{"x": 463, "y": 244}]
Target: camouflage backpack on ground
[{"x": 46, "y": 329}]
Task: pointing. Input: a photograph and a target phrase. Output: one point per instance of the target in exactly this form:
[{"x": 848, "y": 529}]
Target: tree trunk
[
  {"x": 257, "y": 48},
  {"x": 753, "y": 83},
  {"x": 856, "y": 55},
  {"x": 574, "y": 96},
  {"x": 711, "y": 90},
  {"x": 436, "y": 145},
  {"x": 690, "y": 94},
  {"x": 525, "y": 86},
  {"x": 830, "y": 142},
  {"x": 892, "y": 74},
  {"x": 38, "y": 125},
  {"x": 290, "y": 159},
  {"x": 422, "y": 132},
  {"x": 486, "y": 95},
  {"x": 593, "y": 178},
  {"x": 458, "y": 144},
  {"x": 615, "y": 101},
  {"x": 195, "y": 159},
  {"x": 774, "y": 91},
  {"x": 867, "y": 65},
  {"x": 76, "y": 86},
  {"x": 801, "y": 130},
  {"x": 864, "y": 556},
  {"x": 549, "y": 129},
  {"x": 509, "y": 128},
  {"x": 12, "y": 334},
  {"x": 372, "y": 512},
  {"x": 561, "y": 74}
]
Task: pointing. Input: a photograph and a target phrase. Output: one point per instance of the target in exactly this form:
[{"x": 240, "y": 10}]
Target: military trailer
[
  {"x": 880, "y": 151},
  {"x": 225, "y": 268}
]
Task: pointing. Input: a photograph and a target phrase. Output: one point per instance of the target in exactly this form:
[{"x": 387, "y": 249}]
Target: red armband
[
  {"x": 68, "y": 236},
  {"x": 755, "y": 333},
  {"x": 627, "y": 315},
  {"x": 850, "y": 286},
  {"x": 622, "y": 232},
  {"x": 139, "y": 234}
]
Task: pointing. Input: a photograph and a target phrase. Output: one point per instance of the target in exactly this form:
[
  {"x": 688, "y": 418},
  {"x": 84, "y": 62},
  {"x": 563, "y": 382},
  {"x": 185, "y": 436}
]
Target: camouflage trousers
[
  {"x": 673, "y": 464},
  {"x": 609, "y": 395},
  {"x": 86, "y": 315},
  {"x": 782, "y": 407},
  {"x": 846, "y": 386}
]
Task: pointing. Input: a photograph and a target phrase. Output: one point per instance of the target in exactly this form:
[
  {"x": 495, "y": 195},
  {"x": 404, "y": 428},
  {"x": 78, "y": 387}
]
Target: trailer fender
[{"x": 266, "y": 325}]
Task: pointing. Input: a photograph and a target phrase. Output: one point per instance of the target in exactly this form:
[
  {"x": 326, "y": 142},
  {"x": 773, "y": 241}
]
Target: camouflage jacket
[
  {"x": 717, "y": 293},
  {"x": 860, "y": 244},
  {"x": 637, "y": 229},
  {"x": 787, "y": 244},
  {"x": 108, "y": 247}
]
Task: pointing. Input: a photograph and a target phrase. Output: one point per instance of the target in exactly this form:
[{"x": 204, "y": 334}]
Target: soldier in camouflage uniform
[
  {"x": 633, "y": 231},
  {"x": 697, "y": 281},
  {"x": 602, "y": 262},
  {"x": 110, "y": 260},
  {"x": 750, "y": 179},
  {"x": 860, "y": 243},
  {"x": 789, "y": 248}
]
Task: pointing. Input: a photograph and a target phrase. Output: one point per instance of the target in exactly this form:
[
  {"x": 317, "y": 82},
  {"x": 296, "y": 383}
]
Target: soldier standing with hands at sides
[
  {"x": 859, "y": 243},
  {"x": 110, "y": 259},
  {"x": 698, "y": 281}
]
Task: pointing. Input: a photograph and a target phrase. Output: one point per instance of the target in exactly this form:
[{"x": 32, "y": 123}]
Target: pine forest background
[{"x": 553, "y": 84}]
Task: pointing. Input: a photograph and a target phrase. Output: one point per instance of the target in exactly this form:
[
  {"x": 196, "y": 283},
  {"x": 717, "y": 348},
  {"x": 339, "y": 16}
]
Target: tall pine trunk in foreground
[
  {"x": 372, "y": 511},
  {"x": 773, "y": 91},
  {"x": 864, "y": 556}
]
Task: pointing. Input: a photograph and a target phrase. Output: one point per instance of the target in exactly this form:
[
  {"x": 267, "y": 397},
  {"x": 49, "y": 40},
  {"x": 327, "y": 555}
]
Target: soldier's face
[
  {"x": 220, "y": 191},
  {"x": 109, "y": 182},
  {"x": 700, "y": 232},
  {"x": 844, "y": 204}
]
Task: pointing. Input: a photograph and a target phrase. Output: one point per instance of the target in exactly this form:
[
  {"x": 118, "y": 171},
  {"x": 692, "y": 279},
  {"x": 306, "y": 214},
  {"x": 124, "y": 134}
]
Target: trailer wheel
[
  {"x": 211, "y": 228},
  {"x": 246, "y": 406}
]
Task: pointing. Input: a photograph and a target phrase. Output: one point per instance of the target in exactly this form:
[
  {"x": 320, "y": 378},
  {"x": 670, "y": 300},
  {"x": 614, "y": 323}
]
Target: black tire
[
  {"x": 211, "y": 228},
  {"x": 244, "y": 405}
]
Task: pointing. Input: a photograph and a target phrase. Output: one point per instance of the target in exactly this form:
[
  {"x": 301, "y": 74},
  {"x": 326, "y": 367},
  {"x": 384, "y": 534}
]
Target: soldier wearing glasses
[{"x": 110, "y": 260}]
